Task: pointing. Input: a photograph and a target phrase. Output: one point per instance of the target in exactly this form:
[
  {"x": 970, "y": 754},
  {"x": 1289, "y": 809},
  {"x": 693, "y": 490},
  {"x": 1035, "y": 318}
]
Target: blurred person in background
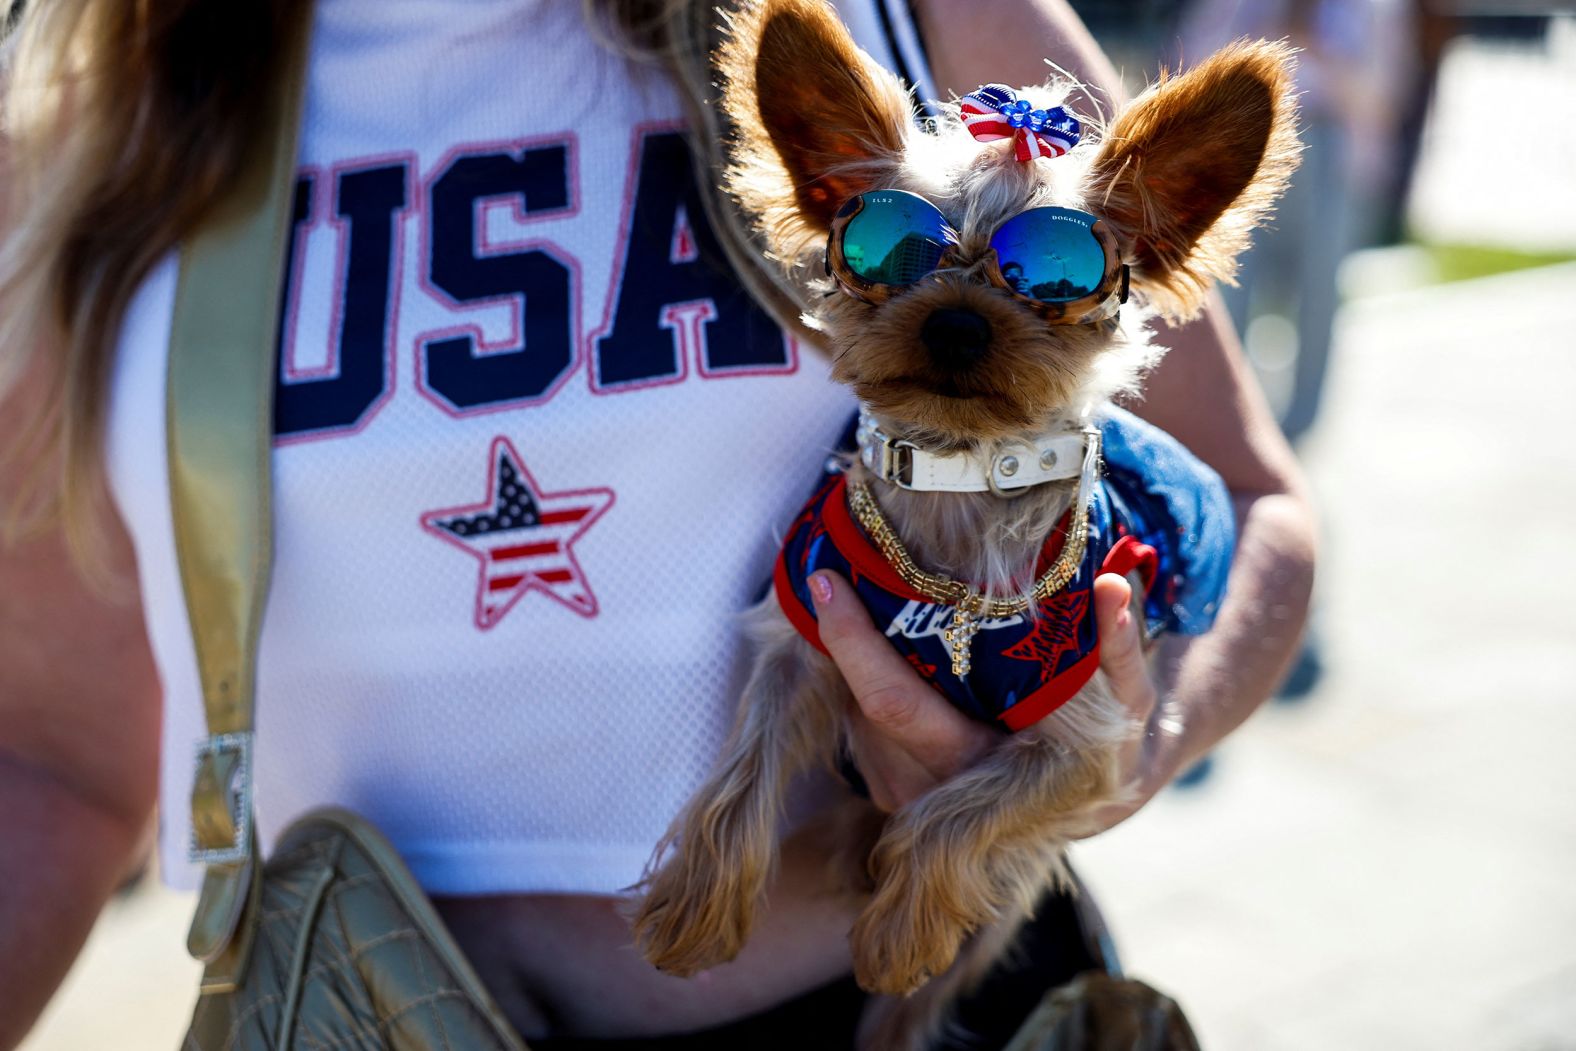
[
  {"x": 1358, "y": 70},
  {"x": 497, "y": 760},
  {"x": 1355, "y": 68}
]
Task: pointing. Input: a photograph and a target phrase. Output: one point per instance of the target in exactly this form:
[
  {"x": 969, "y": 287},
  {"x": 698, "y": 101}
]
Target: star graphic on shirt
[
  {"x": 1055, "y": 631},
  {"x": 523, "y": 538}
]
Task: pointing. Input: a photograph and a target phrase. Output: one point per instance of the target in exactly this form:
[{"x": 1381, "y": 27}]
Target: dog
[{"x": 985, "y": 287}]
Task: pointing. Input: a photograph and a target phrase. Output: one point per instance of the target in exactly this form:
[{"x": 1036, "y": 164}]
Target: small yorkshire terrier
[{"x": 986, "y": 285}]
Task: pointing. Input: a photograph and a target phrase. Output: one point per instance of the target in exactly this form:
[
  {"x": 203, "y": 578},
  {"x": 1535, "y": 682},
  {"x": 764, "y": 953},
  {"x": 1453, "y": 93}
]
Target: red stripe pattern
[
  {"x": 995, "y": 112},
  {"x": 523, "y": 538}
]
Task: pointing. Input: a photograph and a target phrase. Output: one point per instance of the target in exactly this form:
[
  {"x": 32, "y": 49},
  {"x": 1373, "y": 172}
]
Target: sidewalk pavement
[{"x": 1387, "y": 864}]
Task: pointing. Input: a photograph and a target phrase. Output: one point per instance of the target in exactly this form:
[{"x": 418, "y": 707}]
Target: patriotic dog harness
[{"x": 1156, "y": 509}]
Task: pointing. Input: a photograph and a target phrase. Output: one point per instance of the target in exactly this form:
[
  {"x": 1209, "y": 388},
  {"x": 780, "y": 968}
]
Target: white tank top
[{"x": 534, "y": 453}]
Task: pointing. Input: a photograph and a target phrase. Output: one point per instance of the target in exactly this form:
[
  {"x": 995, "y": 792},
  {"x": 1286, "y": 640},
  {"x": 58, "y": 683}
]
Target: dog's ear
[
  {"x": 1193, "y": 165},
  {"x": 815, "y": 120}
]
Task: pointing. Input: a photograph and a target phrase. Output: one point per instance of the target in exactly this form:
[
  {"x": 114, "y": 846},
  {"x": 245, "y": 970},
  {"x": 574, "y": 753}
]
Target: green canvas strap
[{"x": 220, "y": 407}]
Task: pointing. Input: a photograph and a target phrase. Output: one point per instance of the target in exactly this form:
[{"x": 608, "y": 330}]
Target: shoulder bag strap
[{"x": 223, "y": 342}]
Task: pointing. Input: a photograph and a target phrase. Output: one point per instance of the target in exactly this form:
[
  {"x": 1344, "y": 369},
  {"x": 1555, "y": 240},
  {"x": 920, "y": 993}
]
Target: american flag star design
[{"x": 523, "y": 538}]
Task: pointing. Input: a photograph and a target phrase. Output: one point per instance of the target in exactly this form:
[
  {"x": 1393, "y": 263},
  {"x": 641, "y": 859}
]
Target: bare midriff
[{"x": 564, "y": 965}]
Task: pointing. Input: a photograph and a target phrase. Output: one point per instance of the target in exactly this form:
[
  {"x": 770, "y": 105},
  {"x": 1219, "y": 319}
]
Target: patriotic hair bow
[{"x": 996, "y": 112}]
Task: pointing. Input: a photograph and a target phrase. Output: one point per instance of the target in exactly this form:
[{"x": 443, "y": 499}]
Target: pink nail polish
[{"x": 820, "y": 588}]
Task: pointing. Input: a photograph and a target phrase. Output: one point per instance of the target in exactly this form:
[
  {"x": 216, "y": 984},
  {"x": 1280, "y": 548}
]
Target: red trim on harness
[
  {"x": 1052, "y": 695},
  {"x": 852, "y": 544},
  {"x": 863, "y": 556},
  {"x": 802, "y": 619},
  {"x": 1126, "y": 555}
]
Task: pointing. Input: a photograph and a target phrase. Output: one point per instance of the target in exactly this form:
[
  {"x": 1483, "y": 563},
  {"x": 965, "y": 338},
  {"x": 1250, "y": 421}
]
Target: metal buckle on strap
[
  {"x": 897, "y": 461},
  {"x": 222, "y": 800},
  {"x": 891, "y": 461},
  {"x": 1011, "y": 470}
]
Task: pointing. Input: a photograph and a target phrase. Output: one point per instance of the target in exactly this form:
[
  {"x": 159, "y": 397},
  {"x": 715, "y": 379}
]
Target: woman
[{"x": 523, "y": 725}]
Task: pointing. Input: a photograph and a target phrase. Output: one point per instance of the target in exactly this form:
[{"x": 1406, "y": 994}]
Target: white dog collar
[{"x": 1013, "y": 467}]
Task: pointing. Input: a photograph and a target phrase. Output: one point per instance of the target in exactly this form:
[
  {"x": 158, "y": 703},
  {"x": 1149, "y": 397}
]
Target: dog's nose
[{"x": 956, "y": 339}]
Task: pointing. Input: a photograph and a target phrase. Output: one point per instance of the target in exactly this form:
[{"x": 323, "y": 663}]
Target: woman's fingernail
[
  {"x": 1122, "y": 617},
  {"x": 820, "y": 588}
]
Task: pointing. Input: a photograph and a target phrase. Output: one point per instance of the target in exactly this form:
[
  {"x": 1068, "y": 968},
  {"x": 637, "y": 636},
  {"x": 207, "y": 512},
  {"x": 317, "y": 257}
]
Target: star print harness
[{"x": 1157, "y": 509}]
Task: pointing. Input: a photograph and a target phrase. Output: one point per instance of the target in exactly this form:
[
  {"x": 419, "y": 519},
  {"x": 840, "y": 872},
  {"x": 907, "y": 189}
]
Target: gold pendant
[{"x": 965, "y": 625}]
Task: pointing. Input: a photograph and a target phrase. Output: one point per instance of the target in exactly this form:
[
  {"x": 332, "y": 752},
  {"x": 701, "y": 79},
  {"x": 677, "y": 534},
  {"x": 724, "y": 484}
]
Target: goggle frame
[{"x": 1101, "y": 304}]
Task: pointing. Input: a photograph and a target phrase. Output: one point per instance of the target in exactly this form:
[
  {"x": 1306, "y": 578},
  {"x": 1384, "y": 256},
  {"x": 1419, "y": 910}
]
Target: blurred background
[{"x": 1384, "y": 857}]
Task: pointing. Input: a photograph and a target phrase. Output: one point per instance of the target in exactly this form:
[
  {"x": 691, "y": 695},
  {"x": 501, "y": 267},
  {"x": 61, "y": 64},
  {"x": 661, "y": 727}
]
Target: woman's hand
[{"x": 906, "y": 738}]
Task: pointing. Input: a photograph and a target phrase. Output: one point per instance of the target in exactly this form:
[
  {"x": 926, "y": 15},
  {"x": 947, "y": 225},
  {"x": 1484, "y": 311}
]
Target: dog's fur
[{"x": 1182, "y": 175}]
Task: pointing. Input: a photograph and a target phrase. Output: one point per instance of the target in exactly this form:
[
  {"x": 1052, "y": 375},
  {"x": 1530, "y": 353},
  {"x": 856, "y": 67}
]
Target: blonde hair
[{"x": 124, "y": 121}]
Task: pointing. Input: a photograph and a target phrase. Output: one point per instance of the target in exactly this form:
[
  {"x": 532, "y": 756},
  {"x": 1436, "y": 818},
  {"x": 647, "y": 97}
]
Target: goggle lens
[
  {"x": 896, "y": 239},
  {"x": 1050, "y": 254}
]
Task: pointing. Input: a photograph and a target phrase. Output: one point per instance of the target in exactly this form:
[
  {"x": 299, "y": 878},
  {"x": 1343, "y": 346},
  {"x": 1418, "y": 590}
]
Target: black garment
[{"x": 1053, "y": 949}]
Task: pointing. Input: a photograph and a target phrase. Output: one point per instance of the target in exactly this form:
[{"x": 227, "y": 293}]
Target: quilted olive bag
[
  {"x": 347, "y": 952},
  {"x": 331, "y": 943}
]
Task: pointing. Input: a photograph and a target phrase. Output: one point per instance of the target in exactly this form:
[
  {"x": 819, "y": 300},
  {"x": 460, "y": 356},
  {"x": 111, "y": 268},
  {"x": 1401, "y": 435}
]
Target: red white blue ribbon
[{"x": 996, "y": 112}]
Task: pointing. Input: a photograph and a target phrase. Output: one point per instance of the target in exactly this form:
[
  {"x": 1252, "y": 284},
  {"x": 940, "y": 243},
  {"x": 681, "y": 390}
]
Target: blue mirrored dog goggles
[{"x": 1063, "y": 263}]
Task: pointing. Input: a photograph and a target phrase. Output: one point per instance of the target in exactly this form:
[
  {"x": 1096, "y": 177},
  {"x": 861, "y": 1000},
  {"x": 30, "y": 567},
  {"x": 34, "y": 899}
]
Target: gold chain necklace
[{"x": 969, "y": 606}]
